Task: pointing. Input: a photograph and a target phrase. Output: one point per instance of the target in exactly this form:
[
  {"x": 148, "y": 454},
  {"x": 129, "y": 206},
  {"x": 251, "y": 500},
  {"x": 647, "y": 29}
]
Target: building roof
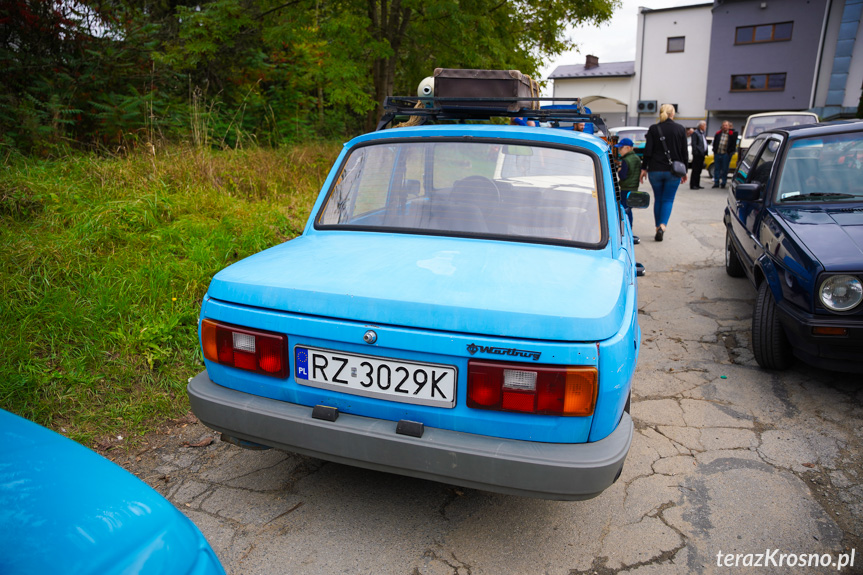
[
  {"x": 604, "y": 70},
  {"x": 645, "y": 10}
]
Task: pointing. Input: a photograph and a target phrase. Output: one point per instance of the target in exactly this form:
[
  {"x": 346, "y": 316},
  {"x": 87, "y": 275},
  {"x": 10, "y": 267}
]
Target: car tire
[
  {"x": 710, "y": 170},
  {"x": 769, "y": 343},
  {"x": 733, "y": 267}
]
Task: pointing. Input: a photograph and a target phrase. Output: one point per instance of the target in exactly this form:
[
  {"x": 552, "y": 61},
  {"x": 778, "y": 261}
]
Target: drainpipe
[
  {"x": 827, "y": 10},
  {"x": 641, "y": 63}
]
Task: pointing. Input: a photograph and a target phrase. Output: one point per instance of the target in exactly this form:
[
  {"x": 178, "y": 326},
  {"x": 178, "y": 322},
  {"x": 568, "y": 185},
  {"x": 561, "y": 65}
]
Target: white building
[
  {"x": 670, "y": 67},
  {"x": 671, "y": 62},
  {"x": 604, "y": 88}
]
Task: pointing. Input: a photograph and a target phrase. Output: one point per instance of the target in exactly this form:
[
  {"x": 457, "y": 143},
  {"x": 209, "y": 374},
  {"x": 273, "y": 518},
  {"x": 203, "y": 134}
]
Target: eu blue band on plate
[{"x": 302, "y": 363}]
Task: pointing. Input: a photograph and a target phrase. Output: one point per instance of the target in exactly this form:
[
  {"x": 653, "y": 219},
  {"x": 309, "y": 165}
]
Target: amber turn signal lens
[
  {"x": 580, "y": 395},
  {"x": 829, "y": 331},
  {"x": 208, "y": 340}
]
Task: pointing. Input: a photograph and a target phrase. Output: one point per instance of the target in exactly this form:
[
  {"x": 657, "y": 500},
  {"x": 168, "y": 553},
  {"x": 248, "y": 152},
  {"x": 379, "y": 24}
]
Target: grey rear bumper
[{"x": 545, "y": 470}]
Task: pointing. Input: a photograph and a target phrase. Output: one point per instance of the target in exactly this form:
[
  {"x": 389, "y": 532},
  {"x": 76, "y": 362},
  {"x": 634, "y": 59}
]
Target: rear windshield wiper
[{"x": 831, "y": 195}]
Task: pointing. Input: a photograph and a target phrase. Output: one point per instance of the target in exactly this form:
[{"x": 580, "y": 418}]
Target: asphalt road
[{"x": 727, "y": 458}]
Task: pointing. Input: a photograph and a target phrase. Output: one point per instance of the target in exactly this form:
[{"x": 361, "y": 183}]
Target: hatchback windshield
[
  {"x": 763, "y": 123},
  {"x": 520, "y": 190},
  {"x": 827, "y": 168}
]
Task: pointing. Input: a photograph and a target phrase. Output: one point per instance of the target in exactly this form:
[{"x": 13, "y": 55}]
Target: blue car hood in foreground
[
  {"x": 833, "y": 235},
  {"x": 495, "y": 288},
  {"x": 66, "y": 509}
]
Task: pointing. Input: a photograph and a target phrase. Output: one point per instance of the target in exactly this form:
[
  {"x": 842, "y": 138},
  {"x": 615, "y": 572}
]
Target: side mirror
[
  {"x": 748, "y": 192},
  {"x": 638, "y": 200}
]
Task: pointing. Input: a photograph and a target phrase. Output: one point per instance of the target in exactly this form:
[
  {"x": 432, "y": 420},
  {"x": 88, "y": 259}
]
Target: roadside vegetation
[{"x": 105, "y": 263}]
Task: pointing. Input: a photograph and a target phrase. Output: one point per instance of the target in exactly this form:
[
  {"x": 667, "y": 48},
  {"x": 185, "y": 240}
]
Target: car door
[
  {"x": 741, "y": 210},
  {"x": 758, "y": 167}
]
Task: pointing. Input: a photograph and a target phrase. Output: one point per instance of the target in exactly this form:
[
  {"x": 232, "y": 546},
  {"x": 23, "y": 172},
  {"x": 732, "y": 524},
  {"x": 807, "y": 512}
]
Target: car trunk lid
[{"x": 495, "y": 288}]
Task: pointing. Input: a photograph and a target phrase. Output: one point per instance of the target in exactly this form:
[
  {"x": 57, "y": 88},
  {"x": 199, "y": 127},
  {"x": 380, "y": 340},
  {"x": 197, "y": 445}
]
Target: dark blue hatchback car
[{"x": 794, "y": 226}]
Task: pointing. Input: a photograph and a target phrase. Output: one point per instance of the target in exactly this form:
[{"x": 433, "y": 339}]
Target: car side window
[
  {"x": 744, "y": 167},
  {"x": 760, "y": 173}
]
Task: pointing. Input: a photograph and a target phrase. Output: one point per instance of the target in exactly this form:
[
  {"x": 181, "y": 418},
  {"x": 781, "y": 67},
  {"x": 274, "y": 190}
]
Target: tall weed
[{"x": 106, "y": 260}]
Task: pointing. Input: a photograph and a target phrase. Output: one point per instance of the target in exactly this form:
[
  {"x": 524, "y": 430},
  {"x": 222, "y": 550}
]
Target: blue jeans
[
  {"x": 626, "y": 209},
  {"x": 664, "y": 186},
  {"x": 720, "y": 168}
]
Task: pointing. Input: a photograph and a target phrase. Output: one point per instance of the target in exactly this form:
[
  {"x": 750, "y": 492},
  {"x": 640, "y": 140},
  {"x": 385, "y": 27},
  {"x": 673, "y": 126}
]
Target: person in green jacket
[{"x": 630, "y": 166}]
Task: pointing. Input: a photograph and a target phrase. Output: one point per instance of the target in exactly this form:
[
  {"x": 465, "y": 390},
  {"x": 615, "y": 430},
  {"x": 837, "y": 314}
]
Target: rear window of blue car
[{"x": 518, "y": 190}]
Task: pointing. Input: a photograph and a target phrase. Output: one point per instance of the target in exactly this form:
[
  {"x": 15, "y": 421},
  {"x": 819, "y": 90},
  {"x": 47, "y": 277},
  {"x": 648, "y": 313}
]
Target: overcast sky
[{"x": 613, "y": 41}]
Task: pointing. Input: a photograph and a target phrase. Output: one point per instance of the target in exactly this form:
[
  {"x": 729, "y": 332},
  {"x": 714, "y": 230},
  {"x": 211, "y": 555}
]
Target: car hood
[
  {"x": 485, "y": 287},
  {"x": 833, "y": 235},
  {"x": 66, "y": 509}
]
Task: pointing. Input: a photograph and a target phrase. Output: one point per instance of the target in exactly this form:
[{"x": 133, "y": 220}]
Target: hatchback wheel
[
  {"x": 769, "y": 342},
  {"x": 710, "y": 170},
  {"x": 733, "y": 267}
]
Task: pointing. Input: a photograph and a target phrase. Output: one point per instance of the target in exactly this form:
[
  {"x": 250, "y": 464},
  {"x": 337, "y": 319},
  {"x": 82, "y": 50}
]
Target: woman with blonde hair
[{"x": 666, "y": 144}]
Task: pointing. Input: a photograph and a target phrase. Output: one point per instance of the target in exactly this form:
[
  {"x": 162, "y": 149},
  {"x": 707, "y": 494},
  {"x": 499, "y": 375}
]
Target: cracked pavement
[{"x": 726, "y": 457}]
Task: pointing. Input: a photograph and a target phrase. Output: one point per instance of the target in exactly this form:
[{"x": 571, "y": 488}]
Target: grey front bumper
[{"x": 544, "y": 470}]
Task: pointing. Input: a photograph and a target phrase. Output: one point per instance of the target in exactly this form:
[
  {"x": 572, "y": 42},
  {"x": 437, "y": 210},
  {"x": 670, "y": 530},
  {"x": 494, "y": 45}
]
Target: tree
[
  {"x": 100, "y": 71},
  {"x": 409, "y": 38}
]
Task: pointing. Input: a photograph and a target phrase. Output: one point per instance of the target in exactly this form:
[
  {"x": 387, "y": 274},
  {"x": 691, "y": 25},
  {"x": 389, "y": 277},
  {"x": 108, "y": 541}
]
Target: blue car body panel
[
  {"x": 443, "y": 298},
  {"x": 397, "y": 342},
  {"x": 66, "y": 509},
  {"x": 834, "y": 236},
  {"x": 439, "y": 283}
]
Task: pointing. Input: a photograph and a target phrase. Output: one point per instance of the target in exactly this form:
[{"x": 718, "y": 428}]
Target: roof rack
[{"x": 428, "y": 108}]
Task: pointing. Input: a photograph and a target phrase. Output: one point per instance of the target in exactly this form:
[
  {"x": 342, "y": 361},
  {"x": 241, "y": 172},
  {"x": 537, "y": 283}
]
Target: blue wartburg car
[
  {"x": 65, "y": 509},
  {"x": 461, "y": 307},
  {"x": 794, "y": 225}
]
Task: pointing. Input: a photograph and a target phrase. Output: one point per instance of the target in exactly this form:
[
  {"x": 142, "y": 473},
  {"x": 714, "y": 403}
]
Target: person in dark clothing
[
  {"x": 699, "y": 151},
  {"x": 724, "y": 146},
  {"x": 628, "y": 174},
  {"x": 656, "y": 165}
]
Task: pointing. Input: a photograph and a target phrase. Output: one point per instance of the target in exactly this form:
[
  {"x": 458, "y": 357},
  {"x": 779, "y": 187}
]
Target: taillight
[
  {"x": 253, "y": 350},
  {"x": 547, "y": 390}
]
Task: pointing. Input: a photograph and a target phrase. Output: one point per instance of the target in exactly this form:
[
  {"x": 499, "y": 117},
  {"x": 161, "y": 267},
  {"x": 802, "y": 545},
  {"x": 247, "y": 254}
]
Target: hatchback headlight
[{"x": 841, "y": 292}]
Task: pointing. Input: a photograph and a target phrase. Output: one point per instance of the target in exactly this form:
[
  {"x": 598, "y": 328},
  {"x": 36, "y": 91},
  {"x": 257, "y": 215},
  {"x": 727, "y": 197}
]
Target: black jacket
[
  {"x": 732, "y": 142},
  {"x": 699, "y": 146},
  {"x": 655, "y": 159}
]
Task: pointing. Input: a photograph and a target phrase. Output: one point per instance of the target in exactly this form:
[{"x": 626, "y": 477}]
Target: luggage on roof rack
[
  {"x": 518, "y": 89},
  {"x": 418, "y": 110}
]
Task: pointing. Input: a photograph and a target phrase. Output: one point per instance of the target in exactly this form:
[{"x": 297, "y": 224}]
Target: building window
[
  {"x": 676, "y": 44},
  {"x": 763, "y": 33},
  {"x": 758, "y": 82}
]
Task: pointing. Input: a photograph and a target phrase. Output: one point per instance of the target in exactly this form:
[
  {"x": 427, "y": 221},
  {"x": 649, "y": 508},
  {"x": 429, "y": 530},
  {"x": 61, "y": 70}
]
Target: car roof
[
  {"x": 821, "y": 128},
  {"x": 491, "y": 131},
  {"x": 780, "y": 113}
]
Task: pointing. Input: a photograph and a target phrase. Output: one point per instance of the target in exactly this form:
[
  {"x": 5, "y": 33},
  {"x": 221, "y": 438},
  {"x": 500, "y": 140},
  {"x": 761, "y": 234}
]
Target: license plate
[{"x": 384, "y": 378}]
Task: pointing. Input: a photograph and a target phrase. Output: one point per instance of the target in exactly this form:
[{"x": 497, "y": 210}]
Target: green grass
[{"x": 104, "y": 265}]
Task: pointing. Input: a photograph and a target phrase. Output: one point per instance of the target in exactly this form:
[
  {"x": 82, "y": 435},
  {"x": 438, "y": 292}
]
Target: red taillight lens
[
  {"x": 547, "y": 390},
  {"x": 249, "y": 349}
]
